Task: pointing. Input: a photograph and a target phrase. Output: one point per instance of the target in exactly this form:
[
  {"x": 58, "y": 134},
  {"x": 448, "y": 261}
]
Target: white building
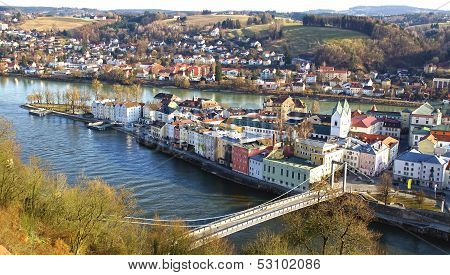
[
  {"x": 341, "y": 120},
  {"x": 423, "y": 169},
  {"x": 255, "y": 166},
  {"x": 421, "y": 120},
  {"x": 123, "y": 112},
  {"x": 127, "y": 112}
]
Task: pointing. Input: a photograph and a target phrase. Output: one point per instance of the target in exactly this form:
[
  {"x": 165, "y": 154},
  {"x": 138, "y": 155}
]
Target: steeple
[
  {"x": 341, "y": 120},
  {"x": 338, "y": 108}
]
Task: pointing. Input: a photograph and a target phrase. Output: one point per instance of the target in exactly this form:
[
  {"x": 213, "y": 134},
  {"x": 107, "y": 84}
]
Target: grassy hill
[
  {"x": 55, "y": 23},
  {"x": 303, "y": 39},
  {"x": 299, "y": 39},
  {"x": 210, "y": 19}
]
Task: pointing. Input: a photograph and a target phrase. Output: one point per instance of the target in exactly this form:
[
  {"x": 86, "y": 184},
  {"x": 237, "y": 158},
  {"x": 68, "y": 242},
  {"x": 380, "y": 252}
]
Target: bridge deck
[{"x": 253, "y": 216}]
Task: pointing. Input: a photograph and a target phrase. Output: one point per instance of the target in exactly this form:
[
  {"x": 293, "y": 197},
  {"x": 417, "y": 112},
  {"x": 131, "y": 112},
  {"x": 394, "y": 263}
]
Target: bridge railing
[
  {"x": 222, "y": 232},
  {"x": 250, "y": 211},
  {"x": 272, "y": 205}
]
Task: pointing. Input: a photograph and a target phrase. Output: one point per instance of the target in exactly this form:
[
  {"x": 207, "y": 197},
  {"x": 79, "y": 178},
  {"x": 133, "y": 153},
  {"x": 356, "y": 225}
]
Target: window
[{"x": 281, "y": 172}]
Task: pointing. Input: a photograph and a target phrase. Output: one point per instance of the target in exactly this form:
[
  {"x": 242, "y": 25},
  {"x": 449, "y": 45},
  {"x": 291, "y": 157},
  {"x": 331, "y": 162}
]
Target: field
[
  {"x": 303, "y": 39},
  {"x": 426, "y": 27},
  {"x": 410, "y": 201},
  {"x": 300, "y": 39},
  {"x": 205, "y": 20},
  {"x": 54, "y": 22}
]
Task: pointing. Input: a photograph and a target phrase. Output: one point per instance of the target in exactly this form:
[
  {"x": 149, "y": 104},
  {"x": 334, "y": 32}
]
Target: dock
[
  {"x": 99, "y": 126},
  {"x": 39, "y": 112}
]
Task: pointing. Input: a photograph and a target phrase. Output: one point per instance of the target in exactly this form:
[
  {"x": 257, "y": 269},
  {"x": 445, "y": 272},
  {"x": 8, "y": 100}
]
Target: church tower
[{"x": 341, "y": 119}]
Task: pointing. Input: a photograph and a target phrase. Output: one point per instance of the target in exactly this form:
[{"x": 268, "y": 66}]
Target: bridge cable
[
  {"x": 231, "y": 214},
  {"x": 264, "y": 204}
]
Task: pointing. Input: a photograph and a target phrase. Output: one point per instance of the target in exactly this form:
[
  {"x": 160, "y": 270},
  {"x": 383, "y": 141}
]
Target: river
[{"x": 161, "y": 184}]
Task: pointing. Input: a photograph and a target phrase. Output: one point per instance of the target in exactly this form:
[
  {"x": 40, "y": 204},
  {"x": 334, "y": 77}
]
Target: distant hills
[
  {"x": 388, "y": 10},
  {"x": 60, "y": 11},
  {"x": 358, "y": 10}
]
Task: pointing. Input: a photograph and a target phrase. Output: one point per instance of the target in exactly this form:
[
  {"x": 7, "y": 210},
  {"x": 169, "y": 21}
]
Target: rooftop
[
  {"x": 424, "y": 109},
  {"x": 294, "y": 162},
  {"x": 442, "y": 127},
  {"x": 364, "y": 121}
]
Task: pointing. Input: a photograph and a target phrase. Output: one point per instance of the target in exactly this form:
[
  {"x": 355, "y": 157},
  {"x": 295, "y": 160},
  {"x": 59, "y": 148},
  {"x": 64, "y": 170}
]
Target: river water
[{"x": 161, "y": 184}]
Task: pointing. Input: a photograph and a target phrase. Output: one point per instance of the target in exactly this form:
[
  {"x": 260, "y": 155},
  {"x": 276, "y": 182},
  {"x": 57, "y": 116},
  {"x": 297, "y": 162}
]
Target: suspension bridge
[{"x": 222, "y": 226}]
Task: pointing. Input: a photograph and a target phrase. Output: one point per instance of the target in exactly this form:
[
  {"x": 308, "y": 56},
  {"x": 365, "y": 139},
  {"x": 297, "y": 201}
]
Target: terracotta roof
[
  {"x": 369, "y": 138},
  {"x": 445, "y": 138},
  {"x": 363, "y": 121},
  {"x": 390, "y": 141}
]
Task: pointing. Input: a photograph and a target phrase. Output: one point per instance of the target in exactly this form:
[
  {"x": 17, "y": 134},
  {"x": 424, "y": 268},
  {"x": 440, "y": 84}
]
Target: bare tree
[
  {"x": 84, "y": 98},
  {"x": 96, "y": 87},
  {"x": 48, "y": 97},
  {"x": 58, "y": 97},
  {"x": 304, "y": 129},
  {"x": 136, "y": 92},
  {"x": 72, "y": 98},
  {"x": 420, "y": 198},
  {"x": 322, "y": 188},
  {"x": 385, "y": 186},
  {"x": 315, "y": 108}
]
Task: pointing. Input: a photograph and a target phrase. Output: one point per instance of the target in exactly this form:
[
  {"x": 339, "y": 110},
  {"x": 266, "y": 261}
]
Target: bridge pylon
[{"x": 344, "y": 178}]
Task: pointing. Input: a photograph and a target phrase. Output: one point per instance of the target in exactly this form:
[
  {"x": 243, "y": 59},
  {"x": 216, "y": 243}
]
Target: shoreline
[
  {"x": 402, "y": 218},
  {"x": 204, "y": 164},
  {"x": 230, "y": 90}
]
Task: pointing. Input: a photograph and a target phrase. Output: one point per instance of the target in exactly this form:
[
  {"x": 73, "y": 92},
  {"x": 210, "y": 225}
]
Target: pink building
[{"x": 241, "y": 153}]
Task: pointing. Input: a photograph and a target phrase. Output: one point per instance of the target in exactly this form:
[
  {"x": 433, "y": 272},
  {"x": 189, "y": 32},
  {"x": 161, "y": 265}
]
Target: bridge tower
[{"x": 344, "y": 178}]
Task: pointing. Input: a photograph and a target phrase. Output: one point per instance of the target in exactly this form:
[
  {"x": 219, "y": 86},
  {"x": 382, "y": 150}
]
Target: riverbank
[
  {"x": 426, "y": 224},
  {"x": 238, "y": 90},
  {"x": 204, "y": 164}
]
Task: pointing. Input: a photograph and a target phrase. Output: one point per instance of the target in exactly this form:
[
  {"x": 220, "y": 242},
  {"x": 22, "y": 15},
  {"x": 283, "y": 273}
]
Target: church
[{"x": 341, "y": 119}]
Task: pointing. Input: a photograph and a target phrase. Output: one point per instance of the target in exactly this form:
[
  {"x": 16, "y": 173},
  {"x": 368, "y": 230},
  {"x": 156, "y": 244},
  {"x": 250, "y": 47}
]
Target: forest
[{"x": 387, "y": 47}]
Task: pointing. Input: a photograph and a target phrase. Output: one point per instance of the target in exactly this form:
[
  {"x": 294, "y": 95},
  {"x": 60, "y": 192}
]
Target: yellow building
[
  {"x": 284, "y": 105},
  {"x": 319, "y": 152},
  {"x": 427, "y": 145}
]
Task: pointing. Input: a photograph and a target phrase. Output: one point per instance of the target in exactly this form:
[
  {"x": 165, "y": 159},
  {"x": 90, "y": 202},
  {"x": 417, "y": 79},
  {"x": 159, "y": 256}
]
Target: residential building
[
  {"x": 366, "y": 124},
  {"x": 441, "y": 83},
  {"x": 424, "y": 169},
  {"x": 290, "y": 172},
  {"x": 241, "y": 154},
  {"x": 421, "y": 120},
  {"x": 391, "y": 127},
  {"x": 256, "y": 164},
  {"x": 283, "y": 105}
]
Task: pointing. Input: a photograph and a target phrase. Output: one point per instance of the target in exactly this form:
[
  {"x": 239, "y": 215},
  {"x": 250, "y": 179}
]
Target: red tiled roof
[
  {"x": 363, "y": 121},
  {"x": 369, "y": 138}
]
